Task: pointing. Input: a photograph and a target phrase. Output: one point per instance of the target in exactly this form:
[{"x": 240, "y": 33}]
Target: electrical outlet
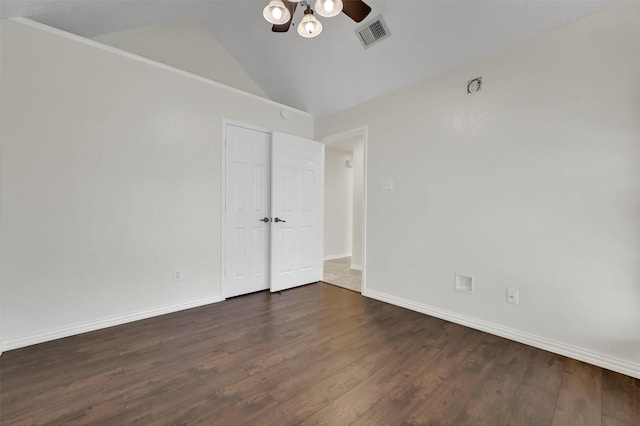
[
  {"x": 512, "y": 296},
  {"x": 177, "y": 275}
]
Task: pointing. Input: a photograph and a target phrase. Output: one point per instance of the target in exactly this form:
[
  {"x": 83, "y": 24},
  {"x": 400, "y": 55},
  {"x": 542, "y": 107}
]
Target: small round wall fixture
[
  {"x": 474, "y": 86},
  {"x": 285, "y": 114}
]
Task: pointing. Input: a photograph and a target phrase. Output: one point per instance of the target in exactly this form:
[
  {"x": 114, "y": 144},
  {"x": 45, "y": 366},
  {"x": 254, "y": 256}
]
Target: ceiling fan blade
[
  {"x": 355, "y": 9},
  {"x": 283, "y": 28}
]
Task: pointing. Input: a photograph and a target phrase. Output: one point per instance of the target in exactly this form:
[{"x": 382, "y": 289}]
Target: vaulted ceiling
[{"x": 332, "y": 71}]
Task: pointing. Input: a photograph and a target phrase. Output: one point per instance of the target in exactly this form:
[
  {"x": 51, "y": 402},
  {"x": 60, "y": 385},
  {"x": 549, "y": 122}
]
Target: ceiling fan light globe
[
  {"x": 276, "y": 12},
  {"x": 309, "y": 26},
  {"x": 328, "y": 8}
]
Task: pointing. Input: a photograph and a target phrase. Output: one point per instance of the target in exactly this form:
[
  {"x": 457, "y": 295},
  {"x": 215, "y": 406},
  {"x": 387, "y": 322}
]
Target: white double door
[{"x": 273, "y": 211}]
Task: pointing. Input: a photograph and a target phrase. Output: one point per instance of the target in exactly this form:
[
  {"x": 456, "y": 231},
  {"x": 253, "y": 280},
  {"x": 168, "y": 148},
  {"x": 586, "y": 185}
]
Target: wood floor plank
[
  {"x": 438, "y": 387},
  {"x": 535, "y": 401},
  {"x": 492, "y": 399},
  {"x": 317, "y": 354},
  {"x": 580, "y": 399},
  {"x": 620, "y": 399},
  {"x": 419, "y": 377},
  {"x": 306, "y": 402},
  {"x": 366, "y": 398}
]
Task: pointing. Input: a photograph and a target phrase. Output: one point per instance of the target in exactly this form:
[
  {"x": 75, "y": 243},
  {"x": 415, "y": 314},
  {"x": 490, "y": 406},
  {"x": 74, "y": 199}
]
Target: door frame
[
  {"x": 223, "y": 191},
  {"x": 364, "y": 131}
]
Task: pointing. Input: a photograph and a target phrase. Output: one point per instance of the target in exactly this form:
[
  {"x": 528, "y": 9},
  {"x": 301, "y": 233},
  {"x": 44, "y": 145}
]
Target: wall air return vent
[
  {"x": 373, "y": 32},
  {"x": 464, "y": 283}
]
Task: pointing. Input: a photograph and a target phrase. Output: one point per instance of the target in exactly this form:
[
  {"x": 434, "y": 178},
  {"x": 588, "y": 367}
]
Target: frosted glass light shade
[
  {"x": 328, "y": 8},
  {"x": 309, "y": 26},
  {"x": 276, "y": 12}
]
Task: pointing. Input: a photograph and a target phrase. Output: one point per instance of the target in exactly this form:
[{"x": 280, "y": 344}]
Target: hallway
[{"x": 338, "y": 272}]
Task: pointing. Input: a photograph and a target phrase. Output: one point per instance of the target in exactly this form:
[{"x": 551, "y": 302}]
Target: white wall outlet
[
  {"x": 177, "y": 275},
  {"x": 464, "y": 283},
  {"x": 512, "y": 296}
]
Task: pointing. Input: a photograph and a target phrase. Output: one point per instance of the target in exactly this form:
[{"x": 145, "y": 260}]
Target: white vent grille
[
  {"x": 464, "y": 283},
  {"x": 373, "y": 32}
]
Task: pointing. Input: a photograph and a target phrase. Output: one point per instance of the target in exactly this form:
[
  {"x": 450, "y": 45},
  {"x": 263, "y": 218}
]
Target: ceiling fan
[{"x": 280, "y": 14}]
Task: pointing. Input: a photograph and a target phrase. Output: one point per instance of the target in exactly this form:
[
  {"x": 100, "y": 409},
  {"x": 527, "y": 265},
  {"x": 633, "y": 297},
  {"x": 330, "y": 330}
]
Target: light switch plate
[{"x": 386, "y": 184}]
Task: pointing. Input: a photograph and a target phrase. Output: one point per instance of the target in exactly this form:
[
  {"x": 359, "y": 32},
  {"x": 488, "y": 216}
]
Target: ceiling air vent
[{"x": 373, "y": 32}]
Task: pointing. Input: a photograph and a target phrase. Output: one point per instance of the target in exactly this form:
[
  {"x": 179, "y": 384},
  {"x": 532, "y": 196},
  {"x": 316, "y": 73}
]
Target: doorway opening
[{"x": 344, "y": 223}]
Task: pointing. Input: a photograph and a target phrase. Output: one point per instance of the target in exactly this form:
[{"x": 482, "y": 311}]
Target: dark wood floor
[{"x": 313, "y": 355}]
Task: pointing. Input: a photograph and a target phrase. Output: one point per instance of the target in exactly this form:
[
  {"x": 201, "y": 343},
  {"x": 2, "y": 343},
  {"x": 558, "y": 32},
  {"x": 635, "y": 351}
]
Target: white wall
[
  {"x": 187, "y": 46},
  {"x": 338, "y": 203},
  {"x": 533, "y": 183},
  {"x": 110, "y": 179}
]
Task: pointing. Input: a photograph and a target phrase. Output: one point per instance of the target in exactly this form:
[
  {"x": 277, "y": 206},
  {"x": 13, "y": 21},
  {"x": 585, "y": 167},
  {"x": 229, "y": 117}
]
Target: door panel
[
  {"x": 297, "y": 199},
  {"x": 247, "y": 200}
]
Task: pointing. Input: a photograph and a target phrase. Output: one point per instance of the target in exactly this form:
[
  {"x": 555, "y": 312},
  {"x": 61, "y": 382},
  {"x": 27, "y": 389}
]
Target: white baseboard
[
  {"x": 60, "y": 332},
  {"x": 337, "y": 256},
  {"x": 356, "y": 267},
  {"x": 601, "y": 360}
]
